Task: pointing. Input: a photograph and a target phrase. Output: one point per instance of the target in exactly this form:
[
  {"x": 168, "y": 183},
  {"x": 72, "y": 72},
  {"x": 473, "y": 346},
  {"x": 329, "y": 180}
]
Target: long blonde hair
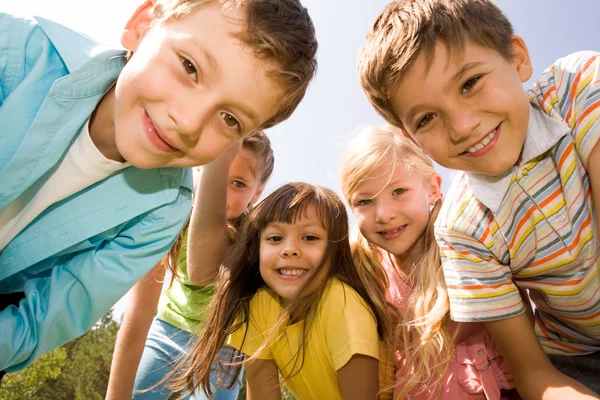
[{"x": 421, "y": 332}]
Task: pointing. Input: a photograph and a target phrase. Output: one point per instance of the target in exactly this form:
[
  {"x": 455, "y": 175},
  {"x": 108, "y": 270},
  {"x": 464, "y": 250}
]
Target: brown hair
[
  {"x": 259, "y": 144},
  {"x": 406, "y": 29},
  {"x": 279, "y": 31},
  {"x": 240, "y": 280}
]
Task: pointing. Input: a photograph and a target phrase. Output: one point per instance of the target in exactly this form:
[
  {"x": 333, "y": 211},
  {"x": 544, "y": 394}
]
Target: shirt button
[
  {"x": 561, "y": 218},
  {"x": 480, "y": 352}
]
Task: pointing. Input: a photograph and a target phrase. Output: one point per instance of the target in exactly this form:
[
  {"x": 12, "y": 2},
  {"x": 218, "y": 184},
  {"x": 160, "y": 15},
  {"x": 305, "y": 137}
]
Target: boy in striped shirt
[{"x": 521, "y": 215}]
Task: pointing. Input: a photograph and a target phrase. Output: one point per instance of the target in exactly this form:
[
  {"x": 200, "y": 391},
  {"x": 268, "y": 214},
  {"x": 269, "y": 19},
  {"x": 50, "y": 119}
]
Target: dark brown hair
[{"x": 240, "y": 279}]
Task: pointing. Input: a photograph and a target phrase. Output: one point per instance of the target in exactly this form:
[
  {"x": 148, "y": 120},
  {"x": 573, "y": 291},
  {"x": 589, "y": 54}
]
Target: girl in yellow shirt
[{"x": 291, "y": 300}]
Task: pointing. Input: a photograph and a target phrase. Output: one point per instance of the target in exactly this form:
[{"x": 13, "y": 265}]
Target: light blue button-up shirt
[{"x": 78, "y": 257}]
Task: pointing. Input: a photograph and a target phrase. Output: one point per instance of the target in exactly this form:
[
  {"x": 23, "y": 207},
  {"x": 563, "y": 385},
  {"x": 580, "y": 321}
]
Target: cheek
[
  {"x": 432, "y": 142},
  {"x": 263, "y": 258},
  {"x": 364, "y": 221},
  {"x": 209, "y": 147}
]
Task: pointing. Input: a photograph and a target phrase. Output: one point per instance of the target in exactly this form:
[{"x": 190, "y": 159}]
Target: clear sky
[{"x": 308, "y": 146}]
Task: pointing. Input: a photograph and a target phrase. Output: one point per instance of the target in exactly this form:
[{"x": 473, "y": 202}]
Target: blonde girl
[
  {"x": 395, "y": 195},
  {"x": 289, "y": 297}
]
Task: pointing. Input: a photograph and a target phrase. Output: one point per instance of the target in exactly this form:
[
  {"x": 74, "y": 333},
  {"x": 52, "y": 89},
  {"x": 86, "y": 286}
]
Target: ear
[
  {"x": 257, "y": 195},
  {"x": 435, "y": 188},
  {"x": 137, "y": 26},
  {"x": 521, "y": 60}
]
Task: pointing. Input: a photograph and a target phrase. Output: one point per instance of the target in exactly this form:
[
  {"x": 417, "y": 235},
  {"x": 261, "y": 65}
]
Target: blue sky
[{"x": 308, "y": 146}]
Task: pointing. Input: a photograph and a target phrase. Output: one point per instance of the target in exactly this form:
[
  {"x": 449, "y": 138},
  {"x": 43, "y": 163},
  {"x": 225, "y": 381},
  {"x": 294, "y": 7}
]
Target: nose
[
  {"x": 384, "y": 213},
  {"x": 290, "y": 250},
  {"x": 462, "y": 124},
  {"x": 190, "y": 117}
]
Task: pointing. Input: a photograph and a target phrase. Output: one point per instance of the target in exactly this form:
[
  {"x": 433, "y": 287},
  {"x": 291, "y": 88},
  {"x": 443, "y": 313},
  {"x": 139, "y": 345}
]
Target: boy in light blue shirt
[{"x": 94, "y": 143}]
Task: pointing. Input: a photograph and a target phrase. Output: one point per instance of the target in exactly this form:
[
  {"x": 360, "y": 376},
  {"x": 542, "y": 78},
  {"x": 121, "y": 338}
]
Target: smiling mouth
[
  {"x": 292, "y": 272},
  {"x": 155, "y": 135},
  {"x": 484, "y": 145},
  {"x": 392, "y": 233}
]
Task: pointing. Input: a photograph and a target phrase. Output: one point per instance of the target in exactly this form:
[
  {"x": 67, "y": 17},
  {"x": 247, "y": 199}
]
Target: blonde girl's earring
[{"x": 431, "y": 206}]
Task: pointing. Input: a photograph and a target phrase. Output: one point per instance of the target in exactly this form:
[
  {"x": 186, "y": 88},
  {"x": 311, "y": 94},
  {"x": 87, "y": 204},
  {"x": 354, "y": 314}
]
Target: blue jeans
[
  {"x": 584, "y": 369},
  {"x": 164, "y": 345}
]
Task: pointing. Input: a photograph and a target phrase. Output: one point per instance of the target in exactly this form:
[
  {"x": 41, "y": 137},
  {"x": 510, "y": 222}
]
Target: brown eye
[
  {"x": 189, "y": 68},
  {"x": 469, "y": 85},
  {"x": 425, "y": 120},
  {"x": 231, "y": 121}
]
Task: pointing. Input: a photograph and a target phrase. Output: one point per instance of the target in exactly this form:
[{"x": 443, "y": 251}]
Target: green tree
[
  {"x": 76, "y": 371},
  {"x": 25, "y": 383}
]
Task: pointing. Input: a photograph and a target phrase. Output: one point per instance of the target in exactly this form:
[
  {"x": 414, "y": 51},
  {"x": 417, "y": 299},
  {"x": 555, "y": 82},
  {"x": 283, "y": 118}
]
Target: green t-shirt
[{"x": 184, "y": 305}]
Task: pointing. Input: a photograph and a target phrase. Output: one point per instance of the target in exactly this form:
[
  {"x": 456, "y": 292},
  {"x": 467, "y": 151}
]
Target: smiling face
[
  {"x": 291, "y": 253},
  {"x": 191, "y": 88},
  {"x": 392, "y": 210},
  {"x": 469, "y": 112}
]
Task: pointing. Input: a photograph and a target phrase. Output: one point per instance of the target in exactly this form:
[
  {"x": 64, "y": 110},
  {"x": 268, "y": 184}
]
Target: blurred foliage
[{"x": 78, "y": 370}]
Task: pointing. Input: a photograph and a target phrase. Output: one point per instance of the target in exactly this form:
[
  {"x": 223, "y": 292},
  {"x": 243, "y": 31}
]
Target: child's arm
[
  {"x": 571, "y": 87},
  {"x": 535, "y": 376},
  {"x": 262, "y": 380},
  {"x": 131, "y": 339},
  {"x": 208, "y": 236},
  {"x": 350, "y": 329},
  {"x": 359, "y": 378},
  {"x": 79, "y": 291},
  {"x": 594, "y": 172}
]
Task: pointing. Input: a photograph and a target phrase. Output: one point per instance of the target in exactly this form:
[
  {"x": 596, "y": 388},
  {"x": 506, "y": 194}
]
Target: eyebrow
[
  {"x": 462, "y": 72},
  {"x": 212, "y": 61},
  {"x": 307, "y": 225},
  {"x": 238, "y": 178},
  {"x": 216, "y": 68},
  {"x": 456, "y": 78},
  {"x": 398, "y": 183}
]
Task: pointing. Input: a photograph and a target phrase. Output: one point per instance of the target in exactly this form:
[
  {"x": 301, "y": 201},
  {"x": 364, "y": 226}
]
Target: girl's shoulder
[
  {"x": 339, "y": 296},
  {"x": 265, "y": 303}
]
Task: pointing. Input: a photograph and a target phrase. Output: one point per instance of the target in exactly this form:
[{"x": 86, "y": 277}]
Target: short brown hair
[
  {"x": 259, "y": 144},
  {"x": 406, "y": 29},
  {"x": 279, "y": 31}
]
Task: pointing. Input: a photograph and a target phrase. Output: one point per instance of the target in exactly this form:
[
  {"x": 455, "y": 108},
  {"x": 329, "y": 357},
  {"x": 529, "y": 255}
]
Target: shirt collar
[
  {"x": 543, "y": 132},
  {"x": 74, "y": 48}
]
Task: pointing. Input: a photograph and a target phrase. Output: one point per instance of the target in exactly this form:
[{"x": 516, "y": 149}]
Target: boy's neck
[{"x": 102, "y": 127}]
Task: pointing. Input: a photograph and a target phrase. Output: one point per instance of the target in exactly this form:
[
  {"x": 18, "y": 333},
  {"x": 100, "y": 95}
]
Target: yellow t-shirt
[{"x": 343, "y": 326}]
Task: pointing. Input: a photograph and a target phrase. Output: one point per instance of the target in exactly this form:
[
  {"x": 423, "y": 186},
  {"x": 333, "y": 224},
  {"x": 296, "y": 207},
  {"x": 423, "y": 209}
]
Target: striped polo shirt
[{"x": 533, "y": 228}]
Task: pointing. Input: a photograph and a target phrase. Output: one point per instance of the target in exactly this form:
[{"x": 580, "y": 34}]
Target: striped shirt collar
[{"x": 543, "y": 132}]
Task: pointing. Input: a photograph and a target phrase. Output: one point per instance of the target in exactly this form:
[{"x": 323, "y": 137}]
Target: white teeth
[
  {"x": 391, "y": 232},
  {"x": 483, "y": 143},
  {"x": 292, "y": 272}
]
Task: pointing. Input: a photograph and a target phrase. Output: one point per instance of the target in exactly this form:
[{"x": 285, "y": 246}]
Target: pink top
[{"x": 476, "y": 371}]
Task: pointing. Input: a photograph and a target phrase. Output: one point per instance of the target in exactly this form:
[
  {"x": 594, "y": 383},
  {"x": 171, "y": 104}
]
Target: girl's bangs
[{"x": 292, "y": 202}]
